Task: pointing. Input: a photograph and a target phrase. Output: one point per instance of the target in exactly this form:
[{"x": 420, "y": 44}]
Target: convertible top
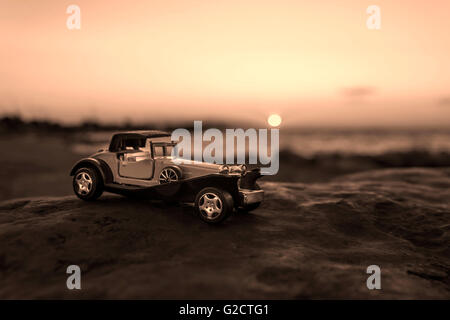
[
  {"x": 143, "y": 134},
  {"x": 135, "y": 138}
]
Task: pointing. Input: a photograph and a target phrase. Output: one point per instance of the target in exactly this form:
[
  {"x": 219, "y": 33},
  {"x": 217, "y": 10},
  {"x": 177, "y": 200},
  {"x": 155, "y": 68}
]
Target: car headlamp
[{"x": 224, "y": 169}]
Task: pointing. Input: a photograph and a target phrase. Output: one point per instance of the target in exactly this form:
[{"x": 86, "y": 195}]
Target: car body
[{"x": 140, "y": 163}]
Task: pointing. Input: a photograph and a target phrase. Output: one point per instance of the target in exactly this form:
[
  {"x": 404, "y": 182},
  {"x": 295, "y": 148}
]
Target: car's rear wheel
[
  {"x": 213, "y": 205},
  {"x": 87, "y": 184}
]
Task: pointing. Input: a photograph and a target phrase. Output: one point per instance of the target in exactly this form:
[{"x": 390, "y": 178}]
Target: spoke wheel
[{"x": 168, "y": 175}]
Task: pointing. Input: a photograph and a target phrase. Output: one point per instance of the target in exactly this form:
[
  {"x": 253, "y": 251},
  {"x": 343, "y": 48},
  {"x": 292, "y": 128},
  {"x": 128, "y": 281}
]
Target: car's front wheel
[
  {"x": 87, "y": 184},
  {"x": 214, "y": 205}
]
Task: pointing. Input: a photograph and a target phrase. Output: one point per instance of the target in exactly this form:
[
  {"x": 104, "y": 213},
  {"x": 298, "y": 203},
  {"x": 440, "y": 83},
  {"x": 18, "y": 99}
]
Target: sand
[{"x": 307, "y": 241}]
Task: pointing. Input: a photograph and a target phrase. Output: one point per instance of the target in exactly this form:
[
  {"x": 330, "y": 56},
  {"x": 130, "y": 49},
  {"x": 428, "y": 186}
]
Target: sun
[{"x": 274, "y": 120}]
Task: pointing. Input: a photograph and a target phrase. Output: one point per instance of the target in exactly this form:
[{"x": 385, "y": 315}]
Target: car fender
[
  {"x": 186, "y": 190},
  {"x": 101, "y": 166}
]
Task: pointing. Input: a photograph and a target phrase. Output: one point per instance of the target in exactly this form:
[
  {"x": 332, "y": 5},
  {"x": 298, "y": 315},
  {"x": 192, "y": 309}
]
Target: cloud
[
  {"x": 444, "y": 101},
  {"x": 358, "y": 92}
]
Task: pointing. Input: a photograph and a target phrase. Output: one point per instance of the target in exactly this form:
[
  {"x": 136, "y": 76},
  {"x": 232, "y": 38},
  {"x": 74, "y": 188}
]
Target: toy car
[{"x": 139, "y": 163}]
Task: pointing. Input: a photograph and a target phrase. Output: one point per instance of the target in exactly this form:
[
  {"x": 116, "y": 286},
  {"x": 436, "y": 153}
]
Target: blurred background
[{"x": 351, "y": 99}]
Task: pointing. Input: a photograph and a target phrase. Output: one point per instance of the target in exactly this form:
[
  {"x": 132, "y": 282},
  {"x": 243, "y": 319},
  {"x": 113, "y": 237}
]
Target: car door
[{"x": 137, "y": 165}]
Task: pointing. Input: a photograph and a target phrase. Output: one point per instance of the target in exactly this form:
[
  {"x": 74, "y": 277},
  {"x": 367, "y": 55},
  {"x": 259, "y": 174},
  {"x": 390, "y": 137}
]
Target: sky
[{"x": 315, "y": 63}]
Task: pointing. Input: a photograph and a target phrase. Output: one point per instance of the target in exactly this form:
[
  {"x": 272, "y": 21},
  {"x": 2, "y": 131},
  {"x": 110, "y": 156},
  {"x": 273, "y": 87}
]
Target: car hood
[{"x": 198, "y": 164}]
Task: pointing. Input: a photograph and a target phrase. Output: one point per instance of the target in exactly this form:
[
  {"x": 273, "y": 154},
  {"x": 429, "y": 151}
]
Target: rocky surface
[{"x": 306, "y": 241}]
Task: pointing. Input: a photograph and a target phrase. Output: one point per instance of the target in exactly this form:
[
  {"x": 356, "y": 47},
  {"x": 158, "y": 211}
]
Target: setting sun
[{"x": 274, "y": 120}]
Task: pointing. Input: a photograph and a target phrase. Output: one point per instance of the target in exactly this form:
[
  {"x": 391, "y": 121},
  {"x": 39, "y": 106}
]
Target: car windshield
[
  {"x": 163, "y": 150},
  {"x": 159, "y": 151},
  {"x": 169, "y": 149}
]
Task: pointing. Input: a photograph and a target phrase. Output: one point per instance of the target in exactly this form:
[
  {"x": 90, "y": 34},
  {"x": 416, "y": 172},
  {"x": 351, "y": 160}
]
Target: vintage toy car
[{"x": 140, "y": 163}]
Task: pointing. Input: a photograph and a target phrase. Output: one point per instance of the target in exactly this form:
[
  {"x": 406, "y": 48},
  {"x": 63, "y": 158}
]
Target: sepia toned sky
[{"x": 314, "y": 62}]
